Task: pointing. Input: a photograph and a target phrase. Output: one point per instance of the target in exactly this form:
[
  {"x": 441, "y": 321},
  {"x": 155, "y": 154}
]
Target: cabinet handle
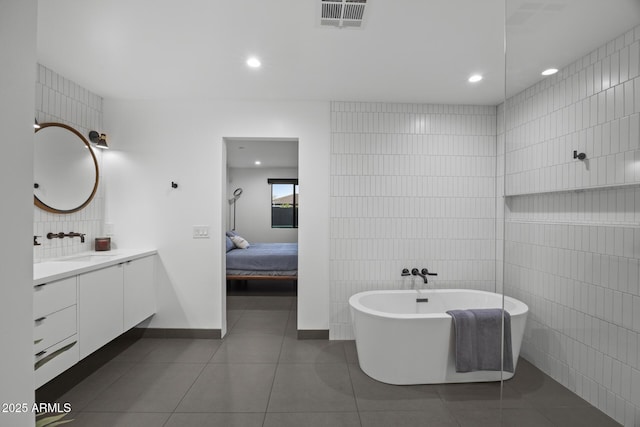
[
  {"x": 40, "y": 319},
  {"x": 53, "y": 355},
  {"x": 41, "y": 353},
  {"x": 40, "y": 285}
]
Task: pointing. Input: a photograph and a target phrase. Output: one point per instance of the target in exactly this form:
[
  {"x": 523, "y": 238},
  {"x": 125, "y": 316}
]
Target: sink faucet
[
  {"x": 63, "y": 235},
  {"x": 80, "y": 235},
  {"x": 423, "y": 273}
]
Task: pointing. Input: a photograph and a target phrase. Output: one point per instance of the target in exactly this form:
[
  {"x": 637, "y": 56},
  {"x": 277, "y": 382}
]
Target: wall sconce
[
  {"x": 100, "y": 139},
  {"x": 579, "y": 156}
]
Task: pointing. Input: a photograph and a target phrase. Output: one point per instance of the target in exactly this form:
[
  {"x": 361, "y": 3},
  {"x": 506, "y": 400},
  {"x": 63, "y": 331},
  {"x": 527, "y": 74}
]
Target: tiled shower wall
[
  {"x": 573, "y": 256},
  {"x": 412, "y": 185},
  {"x": 60, "y": 100},
  {"x": 591, "y": 106}
]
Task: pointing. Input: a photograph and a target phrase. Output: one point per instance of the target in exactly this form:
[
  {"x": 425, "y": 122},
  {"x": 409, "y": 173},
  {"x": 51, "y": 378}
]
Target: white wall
[
  {"x": 412, "y": 185},
  {"x": 63, "y": 101},
  {"x": 156, "y": 142},
  {"x": 18, "y": 50},
  {"x": 253, "y": 208},
  {"x": 574, "y": 257}
]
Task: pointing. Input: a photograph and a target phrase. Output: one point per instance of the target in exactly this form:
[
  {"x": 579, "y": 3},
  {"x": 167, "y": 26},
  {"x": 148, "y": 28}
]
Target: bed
[{"x": 263, "y": 261}]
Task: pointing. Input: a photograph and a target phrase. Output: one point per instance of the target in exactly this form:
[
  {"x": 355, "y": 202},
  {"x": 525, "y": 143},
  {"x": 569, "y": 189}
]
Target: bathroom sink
[
  {"x": 87, "y": 258},
  {"x": 50, "y": 268}
]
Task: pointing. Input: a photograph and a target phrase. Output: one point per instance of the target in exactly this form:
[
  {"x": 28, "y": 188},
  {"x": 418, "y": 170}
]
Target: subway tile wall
[
  {"x": 412, "y": 185},
  {"x": 61, "y": 100},
  {"x": 573, "y": 256},
  {"x": 592, "y": 106}
]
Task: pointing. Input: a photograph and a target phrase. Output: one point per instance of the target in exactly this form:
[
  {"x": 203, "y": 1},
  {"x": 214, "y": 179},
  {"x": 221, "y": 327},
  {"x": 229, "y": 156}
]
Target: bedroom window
[{"x": 284, "y": 202}]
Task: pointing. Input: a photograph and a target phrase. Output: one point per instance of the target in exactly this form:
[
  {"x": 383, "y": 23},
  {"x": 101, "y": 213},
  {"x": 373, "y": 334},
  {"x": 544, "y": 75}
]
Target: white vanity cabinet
[
  {"x": 114, "y": 300},
  {"x": 101, "y": 308},
  {"x": 81, "y": 306},
  {"x": 139, "y": 290},
  {"x": 55, "y": 328}
]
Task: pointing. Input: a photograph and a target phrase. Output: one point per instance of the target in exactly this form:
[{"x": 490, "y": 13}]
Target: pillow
[
  {"x": 231, "y": 233},
  {"x": 230, "y": 244},
  {"x": 239, "y": 242}
]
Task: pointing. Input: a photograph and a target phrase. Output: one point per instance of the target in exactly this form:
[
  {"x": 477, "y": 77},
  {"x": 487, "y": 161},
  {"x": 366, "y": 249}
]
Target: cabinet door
[
  {"x": 139, "y": 291},
  {"x": 100, "y": 308}
]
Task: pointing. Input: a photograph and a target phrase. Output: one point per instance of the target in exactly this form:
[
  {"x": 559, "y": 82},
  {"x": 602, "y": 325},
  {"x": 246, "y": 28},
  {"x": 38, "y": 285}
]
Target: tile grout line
[
  {"x": 133, "y": 364},
  {"x": 275, "y": 372},
  {"x": 355, "y": 400},
  {"x": 192, "y": 384}
]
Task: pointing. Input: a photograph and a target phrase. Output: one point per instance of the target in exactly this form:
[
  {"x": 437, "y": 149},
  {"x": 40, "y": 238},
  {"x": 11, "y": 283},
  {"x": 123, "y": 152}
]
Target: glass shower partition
[{"x": 568, "y": 150}]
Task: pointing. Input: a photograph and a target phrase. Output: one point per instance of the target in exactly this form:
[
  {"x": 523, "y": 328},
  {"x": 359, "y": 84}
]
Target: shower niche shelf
[{"x": 576, "y": 190}]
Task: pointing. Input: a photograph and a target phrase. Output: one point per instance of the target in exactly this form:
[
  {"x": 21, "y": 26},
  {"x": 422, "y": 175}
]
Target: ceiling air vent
[{"x": 343, "y": 13}]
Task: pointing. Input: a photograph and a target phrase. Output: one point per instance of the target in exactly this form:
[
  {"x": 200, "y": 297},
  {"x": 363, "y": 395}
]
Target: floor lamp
[{"x": 236, "y": 195}]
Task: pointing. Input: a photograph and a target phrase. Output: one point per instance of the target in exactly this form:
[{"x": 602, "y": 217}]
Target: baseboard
[
  {"x": 175, "y": 333},
  {"x": 313, "y": 334}
]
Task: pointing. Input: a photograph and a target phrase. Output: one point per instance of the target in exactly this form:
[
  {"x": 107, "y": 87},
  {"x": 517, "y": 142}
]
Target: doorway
[{"x": 261, "y": 188}]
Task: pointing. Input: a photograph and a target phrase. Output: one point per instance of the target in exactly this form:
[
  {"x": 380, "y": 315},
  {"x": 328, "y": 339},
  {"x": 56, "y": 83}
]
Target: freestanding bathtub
[{"x": 402, "y": 341}]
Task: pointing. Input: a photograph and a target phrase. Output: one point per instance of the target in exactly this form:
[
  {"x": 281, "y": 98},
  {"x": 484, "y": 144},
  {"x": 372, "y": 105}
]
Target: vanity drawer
[
  {"x": 54, "y": 296},
  {"x": 55, "y": 327},
  {"x": 56, "y": 360}
]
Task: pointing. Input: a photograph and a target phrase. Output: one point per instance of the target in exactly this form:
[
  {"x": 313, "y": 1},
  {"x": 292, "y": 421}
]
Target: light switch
[{"x": 200, "y": 231}]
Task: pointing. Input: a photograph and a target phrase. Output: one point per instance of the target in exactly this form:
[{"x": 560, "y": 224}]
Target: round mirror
[{"x": 65, "y": 169}]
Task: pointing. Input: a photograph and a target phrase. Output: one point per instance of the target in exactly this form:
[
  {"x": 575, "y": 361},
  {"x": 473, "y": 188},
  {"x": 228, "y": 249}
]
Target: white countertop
[{"x": 60, "y": 268}]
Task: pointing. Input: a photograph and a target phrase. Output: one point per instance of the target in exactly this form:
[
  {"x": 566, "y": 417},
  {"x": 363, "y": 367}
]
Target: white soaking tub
[{"x": 402, "y": 341}]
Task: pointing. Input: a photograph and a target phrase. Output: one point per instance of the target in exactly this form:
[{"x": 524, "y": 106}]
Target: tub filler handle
[{"x": 423, "y": 273}]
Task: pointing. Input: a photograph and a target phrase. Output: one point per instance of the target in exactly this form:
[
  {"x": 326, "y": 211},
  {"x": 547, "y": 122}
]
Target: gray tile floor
[{"x": 261, "y": 375}]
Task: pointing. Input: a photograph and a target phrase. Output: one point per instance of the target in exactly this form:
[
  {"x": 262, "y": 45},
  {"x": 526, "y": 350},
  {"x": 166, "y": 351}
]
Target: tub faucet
[{"x": 423, "y": 273}]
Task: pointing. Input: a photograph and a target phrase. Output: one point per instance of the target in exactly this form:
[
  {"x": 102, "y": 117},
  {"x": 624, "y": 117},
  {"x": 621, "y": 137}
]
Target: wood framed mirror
[{"x": 65, "y": 169}]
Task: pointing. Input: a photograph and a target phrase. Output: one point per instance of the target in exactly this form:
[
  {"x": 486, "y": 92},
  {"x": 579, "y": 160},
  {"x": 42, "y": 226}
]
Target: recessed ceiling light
[
  {"x": 254, "y": 62},
  {"x": 549, "y": 71},
  {"x": 475, "y": 78},
  {"x": 257, "y": 162}
]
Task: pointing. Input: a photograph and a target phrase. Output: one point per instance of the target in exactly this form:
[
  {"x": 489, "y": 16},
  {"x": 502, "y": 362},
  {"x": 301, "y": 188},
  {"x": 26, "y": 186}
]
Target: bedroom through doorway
[{"x": 261, "y": 228}]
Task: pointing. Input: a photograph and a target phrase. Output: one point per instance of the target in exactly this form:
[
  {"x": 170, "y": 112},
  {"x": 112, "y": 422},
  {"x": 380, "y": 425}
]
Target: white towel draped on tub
[{"x": 478, "y": 335}]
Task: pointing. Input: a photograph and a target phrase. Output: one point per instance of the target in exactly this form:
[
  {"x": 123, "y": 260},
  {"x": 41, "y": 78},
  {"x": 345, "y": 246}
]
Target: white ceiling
[
  {"x": 555, "y": 33},
  {"x": 243, "y": 153},
  {"x": 407, "y": 50}
]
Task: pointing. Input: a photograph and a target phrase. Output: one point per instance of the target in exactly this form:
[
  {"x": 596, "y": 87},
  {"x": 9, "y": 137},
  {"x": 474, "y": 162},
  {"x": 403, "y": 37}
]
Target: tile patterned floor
[{"x": 261, "y": 375}]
